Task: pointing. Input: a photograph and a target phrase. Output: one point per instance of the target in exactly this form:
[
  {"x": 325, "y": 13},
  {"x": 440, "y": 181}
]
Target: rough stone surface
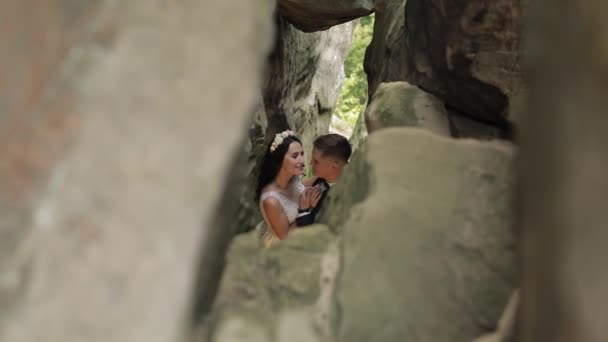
[
  {"x": 467, "y": 52},
  {"x": 359, "y": 131},
  {"x": 36, "y": 125},
  {"x": 401, "y": 104},
  {"x": 264, "y": 291},
  {"x": 319, "y": 15},
  {"x": 428, "y": 241},
  {"x": 386, "y": 57},
  {"x": 129, "y": 114},
  {"x": 563, "y": 184}
]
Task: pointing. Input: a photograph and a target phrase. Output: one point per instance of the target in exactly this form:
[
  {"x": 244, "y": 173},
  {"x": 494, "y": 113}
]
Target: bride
[{"x": 279, "y": 191}]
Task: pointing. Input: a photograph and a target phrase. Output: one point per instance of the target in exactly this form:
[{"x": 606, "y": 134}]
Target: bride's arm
[
  {"x": 276, "y": 217},
  {"x": 309, "y": 181}
]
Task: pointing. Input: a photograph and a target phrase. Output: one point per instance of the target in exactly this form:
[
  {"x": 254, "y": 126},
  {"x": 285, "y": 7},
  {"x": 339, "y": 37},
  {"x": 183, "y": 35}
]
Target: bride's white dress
[{"x": 289, "y": 203}]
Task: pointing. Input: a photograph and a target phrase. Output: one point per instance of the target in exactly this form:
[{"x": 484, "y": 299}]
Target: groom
[{"x": 330, "y": 154}]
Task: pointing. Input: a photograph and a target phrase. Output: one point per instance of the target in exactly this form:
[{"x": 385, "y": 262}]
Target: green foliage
[{"x": 354, "y": 89}]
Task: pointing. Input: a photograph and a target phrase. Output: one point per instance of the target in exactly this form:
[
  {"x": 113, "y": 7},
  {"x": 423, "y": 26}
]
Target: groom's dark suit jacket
[{"x": 309, "y": 218}]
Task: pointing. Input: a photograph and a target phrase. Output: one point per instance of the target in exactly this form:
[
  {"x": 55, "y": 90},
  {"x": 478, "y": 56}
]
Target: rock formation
[
  {"x": 118, "y": 126},
  {"x": 467, "y": 53}
]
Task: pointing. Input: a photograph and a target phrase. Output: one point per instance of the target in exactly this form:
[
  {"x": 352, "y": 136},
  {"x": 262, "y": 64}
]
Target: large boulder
[
  {"x": 401, "y": 104},
  {"x": 35, "y": 128},
  {"x": 426, "y": 223},
  {"x": 319, "y": 15},
  {"x": 118, "y": 126},
  {"x": 467, "y": 52},
  {"x": 386, "y": 56},
  {"x": 284, "y": 293}
]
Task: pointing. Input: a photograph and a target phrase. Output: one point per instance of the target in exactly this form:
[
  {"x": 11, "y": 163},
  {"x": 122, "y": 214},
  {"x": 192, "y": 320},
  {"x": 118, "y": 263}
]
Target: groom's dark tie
[{"x": 323, "y": 182}]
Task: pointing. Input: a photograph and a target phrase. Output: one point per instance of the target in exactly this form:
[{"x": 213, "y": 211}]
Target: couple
[{"x": 286, "y": 200}]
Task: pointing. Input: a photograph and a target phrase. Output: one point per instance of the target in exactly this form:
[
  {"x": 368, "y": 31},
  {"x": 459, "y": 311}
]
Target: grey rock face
[
  {"x": 427, "y": 242},
  {"x": 304, "y": 78},
  {"x": 467, "y": 52},
  {"x": 35, "y": 127},
  {"x": 128, "y": 133},
  {"x": 285, "y": 293},
  {"x": 359, "y": 131},
  {"x": 386, "y": 57}
]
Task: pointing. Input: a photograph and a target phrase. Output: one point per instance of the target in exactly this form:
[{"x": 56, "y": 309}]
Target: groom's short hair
[{"x": 333, "y": 145}]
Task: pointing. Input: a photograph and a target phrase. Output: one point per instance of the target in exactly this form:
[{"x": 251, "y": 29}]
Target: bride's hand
[
  {"x": 315, "y": 195},
  {"x": 304, "y": 199}
]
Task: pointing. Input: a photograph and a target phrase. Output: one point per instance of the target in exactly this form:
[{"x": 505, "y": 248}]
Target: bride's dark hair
[{"x": 270, "y": 164}]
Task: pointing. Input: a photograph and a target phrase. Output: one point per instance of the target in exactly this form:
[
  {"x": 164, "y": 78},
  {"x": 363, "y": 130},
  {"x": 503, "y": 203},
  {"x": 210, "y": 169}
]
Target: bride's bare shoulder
[
  {"x": 268, "y": 188},
  {"x": 309, "y": 181}
]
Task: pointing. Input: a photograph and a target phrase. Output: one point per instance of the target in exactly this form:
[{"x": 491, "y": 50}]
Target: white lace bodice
[{"x": 289, "y": 202}]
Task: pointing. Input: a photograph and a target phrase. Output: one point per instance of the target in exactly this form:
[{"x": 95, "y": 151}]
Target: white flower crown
[{"x": 278, "y": 139}]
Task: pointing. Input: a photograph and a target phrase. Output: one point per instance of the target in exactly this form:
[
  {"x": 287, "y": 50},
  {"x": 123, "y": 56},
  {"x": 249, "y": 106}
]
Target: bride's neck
[{"x": 283, "y": 179}]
